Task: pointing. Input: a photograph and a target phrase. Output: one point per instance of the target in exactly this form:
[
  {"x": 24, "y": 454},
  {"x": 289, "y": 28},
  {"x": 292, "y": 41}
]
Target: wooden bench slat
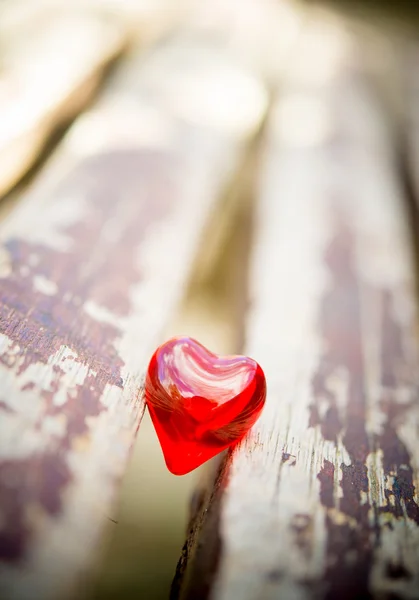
[
  {"x": 321, "y": 499},
  {"x": 93, "y": 263},
  {"x": 251, "y": 29},
  {"x": 47, "y": 78}
]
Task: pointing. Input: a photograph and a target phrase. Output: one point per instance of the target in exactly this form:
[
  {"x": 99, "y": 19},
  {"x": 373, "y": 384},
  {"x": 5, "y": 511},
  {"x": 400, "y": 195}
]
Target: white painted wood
[
  {"x": 46, "y": 78},
  {"x": 100, "y": 251},
  {"x": 321, "y": 499}
]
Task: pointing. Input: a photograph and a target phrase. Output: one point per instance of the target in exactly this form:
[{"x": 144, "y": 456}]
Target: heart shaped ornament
[{"x": 201, "y": 403}]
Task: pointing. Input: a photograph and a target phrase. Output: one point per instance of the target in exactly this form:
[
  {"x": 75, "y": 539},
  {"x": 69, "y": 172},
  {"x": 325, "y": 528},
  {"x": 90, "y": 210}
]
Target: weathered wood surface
[
  {"x": 93, "y": 263},
  {"x": 321, "y": 499},
  {"x": 46, "y": 78}
]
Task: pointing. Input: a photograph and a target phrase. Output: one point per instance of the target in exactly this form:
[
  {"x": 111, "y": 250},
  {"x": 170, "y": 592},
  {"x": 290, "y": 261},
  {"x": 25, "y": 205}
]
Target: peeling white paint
[{"x": 44, "y": 285}]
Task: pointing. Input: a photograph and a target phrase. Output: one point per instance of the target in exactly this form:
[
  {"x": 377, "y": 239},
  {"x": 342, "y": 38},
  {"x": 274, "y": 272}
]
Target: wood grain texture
[
  {"x": 321, "y": 499},
  {"x": 46, "y": 78},
  {"x": 92, "y": 265}
]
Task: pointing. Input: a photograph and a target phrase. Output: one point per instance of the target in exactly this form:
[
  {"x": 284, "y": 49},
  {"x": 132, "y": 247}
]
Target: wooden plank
[
  {"x": 46, "y": 79},
  {"x": 138, "y": 17},
  {"x": 93, "y": 263},
  {"x": 250, "y": 28},
  {"x": 321, "y": 499}
]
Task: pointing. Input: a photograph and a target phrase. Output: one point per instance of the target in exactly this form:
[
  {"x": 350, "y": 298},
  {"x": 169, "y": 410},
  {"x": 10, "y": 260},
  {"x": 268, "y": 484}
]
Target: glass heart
[{"x": 201, "y": 403}]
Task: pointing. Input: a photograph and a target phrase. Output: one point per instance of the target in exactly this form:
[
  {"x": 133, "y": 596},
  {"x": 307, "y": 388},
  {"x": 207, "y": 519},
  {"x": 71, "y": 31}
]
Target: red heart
[{"x": 201, "y": 403}]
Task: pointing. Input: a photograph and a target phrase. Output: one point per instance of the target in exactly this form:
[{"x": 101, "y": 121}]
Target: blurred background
[{"x": 44, "y": 47}]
